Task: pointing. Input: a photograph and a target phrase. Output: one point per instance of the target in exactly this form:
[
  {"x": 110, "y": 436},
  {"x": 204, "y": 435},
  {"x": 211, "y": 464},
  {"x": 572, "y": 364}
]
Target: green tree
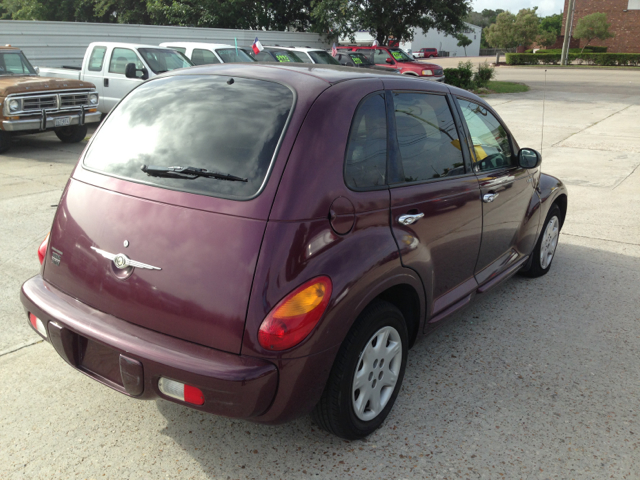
[
  {"x": 552, "y": 23},
  {"x": 464, "y": 42},
  {"x": 383, "y": 19},
  {"x": 591, "y": 27},
  {"x": 546, "y": 38},
  {"x": 513, "y": 30}
]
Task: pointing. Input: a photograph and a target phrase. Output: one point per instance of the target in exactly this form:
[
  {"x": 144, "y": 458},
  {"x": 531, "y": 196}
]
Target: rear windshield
[
  {"x": 323, "y": 57},
  {"x": 360, "y": 59},
  {"x": 285, "y": 56},
  {"x": 211, "y": 122},
  {"x": 234, "y": 55}
]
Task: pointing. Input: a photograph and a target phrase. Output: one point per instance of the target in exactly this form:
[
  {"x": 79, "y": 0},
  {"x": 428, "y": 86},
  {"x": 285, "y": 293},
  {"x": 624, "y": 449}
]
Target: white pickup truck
[{"x": 116, "y": 68}]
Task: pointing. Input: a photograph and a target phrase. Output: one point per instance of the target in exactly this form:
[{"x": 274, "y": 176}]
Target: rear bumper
[
  {"x": 46, "y": 122},
  {"x": 131, "y": 359}
]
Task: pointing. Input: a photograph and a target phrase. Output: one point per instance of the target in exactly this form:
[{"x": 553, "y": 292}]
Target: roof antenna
[{"x": 544, "y": 99}]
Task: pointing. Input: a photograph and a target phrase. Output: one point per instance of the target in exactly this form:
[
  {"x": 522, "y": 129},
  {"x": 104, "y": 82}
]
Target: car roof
[
  {"x": 127, "y": 45},
  {"x": 300, "y": 49},
  {"x": 8, "y": 47},
  {"x": 196, "y": 44}
]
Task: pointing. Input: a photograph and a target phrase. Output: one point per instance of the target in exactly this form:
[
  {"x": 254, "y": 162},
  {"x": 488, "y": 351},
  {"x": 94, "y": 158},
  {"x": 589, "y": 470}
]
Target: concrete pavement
[{"x": 537, "y": 379}]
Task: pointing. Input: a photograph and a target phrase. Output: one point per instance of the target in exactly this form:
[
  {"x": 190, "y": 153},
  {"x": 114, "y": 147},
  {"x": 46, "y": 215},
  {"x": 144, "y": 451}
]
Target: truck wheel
[
  {"x": 5, "y": 141},
  {"x": 366, "y": 375},
  {"x": 72, "y": 133}
]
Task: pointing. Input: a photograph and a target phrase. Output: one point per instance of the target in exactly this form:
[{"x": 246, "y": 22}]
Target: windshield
[
  {"x": 400, "y": 56},
  {"x": 323, "y": 57},
  {"x": 285, "y": 56},
  {"x": 15, "y": 63},
  {"x": 212, "y": 122},
  {"x": 233, "y": 55},
  {"x": 164, "y": 60},
  {"x": 360, "y": 59}
]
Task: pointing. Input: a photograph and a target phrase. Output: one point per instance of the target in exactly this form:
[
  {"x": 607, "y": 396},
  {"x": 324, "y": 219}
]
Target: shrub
[
  {"x": 460, "y": 77},
  {"x": 484, "y": 75},
  {"x": 600, "y": 59}
]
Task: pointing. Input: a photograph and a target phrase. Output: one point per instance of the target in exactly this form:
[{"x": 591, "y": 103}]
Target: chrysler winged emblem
[{"x": 121, "y": 261}]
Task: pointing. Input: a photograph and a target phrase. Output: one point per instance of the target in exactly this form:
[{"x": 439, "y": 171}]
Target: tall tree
[
  {"x": 384, "y": 18},
  {"x": 591, "y": 27},
  {"x": 464, "y": 42},
  {"x": 513, "y": 30}
]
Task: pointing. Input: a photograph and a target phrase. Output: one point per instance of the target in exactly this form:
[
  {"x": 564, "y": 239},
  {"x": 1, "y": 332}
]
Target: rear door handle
[
  {"x": 106, "y": 82},
  {"x": 490, "y": 197},
  {"x": 410, "y": 219}
]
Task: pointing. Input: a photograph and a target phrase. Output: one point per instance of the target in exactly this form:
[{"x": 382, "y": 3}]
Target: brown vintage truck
[{"x": 33, "y": 104}]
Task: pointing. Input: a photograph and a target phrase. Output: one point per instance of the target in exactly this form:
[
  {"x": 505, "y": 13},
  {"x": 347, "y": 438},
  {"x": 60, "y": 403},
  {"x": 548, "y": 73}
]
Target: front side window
[
  {"x": 381, "y": 56},
  {"x": 14, "y": 63},
  {"x": 491, "y": 146},
  {"x": 201, "y": 56},
  {"x": 234, "y": 55},
  {"x": 323, "y": 57},
  {"x": 195, "y": 121},
  {"x": 120, "y": 57},
  {"x": 427, "y": 137},
  {"x": 366, "y": 156},
  {"x": 162, "y": 60},
  {"x": 399, "y": 55},
  {"x": 96, "y": 59}
]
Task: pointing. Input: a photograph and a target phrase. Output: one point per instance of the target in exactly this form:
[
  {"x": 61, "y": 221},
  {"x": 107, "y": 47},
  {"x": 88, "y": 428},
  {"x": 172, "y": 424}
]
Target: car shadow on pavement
[{"x": 532, "y": 375}]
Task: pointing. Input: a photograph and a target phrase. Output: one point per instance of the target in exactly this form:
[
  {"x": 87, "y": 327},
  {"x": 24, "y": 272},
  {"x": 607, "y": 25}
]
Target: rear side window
[
  {"x": 203, "y": 57},
  {"x": 96, "y": 59},
  {"x": 198, "y": 121},
  {"x": 120, "y": 58},
  {"x": 427, "y": 137},
  {"x": 366, "y": 156},
  {"x": 381, "y": 56}
]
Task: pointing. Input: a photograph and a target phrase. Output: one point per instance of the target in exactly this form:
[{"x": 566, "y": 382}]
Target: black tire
[
  {"x": 72, "y": 133},
  {"x": 335, "y": 411},
  {"x": 5, "y": 141},
  {"x": 537, "y": 268}
]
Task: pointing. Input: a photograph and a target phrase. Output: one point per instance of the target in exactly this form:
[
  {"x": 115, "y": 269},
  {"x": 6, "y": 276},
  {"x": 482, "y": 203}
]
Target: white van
[{"x": 208, "y": 53}]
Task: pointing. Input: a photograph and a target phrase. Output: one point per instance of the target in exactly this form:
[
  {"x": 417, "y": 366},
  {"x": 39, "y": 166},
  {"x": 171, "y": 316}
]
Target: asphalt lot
[{"x": 537, "y": 379}]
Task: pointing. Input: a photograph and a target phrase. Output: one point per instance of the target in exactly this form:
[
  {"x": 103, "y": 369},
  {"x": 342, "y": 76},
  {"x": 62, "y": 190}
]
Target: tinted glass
[
  {"x": 203, "y": 57},
  {"x": 264, "y": 56},
  {"x": 304, "y": 57},
  {"x": 233, "y": 55},
  {"x": 14, "y": 63},
  {"x": 182, "y": 50},
  {"x": 97, "y": 58},
  {"x": 120, "y": 57},
  {"x": 490, "y": 139},
  {"x": 197, "y": 121},
  {"x": 164, "y": 60},
  {"x": 360, "y": 59},
  {"x": 285, "y": 56},
  {"x": 323, "y": 57},
  {"x": 366, "y": 157},
  {"x": 427, "y": 137}
]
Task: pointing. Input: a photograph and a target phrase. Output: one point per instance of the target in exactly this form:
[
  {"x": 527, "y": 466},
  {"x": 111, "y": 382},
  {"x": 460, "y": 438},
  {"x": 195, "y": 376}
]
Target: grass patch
[{"x": 503, "y": 87}]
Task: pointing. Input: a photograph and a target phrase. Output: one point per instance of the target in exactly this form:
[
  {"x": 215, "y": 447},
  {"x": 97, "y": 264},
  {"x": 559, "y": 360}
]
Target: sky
[{"x": 545, "y": 7}]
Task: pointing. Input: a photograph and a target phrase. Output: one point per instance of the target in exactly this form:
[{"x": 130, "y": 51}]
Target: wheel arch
[
  {"x": 413, "y": 74},
  {"x": 562, "y": 202}
]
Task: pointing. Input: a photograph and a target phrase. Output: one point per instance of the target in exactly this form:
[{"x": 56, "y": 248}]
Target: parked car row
[{"x": 110, "y": 70}]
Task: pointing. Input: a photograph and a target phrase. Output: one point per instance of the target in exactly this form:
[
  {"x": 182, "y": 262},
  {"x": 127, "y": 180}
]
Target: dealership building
[{"x": 622, "y": 15}]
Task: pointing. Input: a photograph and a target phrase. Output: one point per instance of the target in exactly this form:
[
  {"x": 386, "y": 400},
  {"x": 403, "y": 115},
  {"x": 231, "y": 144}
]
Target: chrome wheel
[
  {"x": 549, "y": 242},
  {"x": 376, "y": 373}
]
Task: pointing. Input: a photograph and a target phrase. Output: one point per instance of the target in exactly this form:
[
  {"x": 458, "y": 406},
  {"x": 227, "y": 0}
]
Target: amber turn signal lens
[
  {"x": 42, "y": 251},
  {"x": 293, "y": 319}
]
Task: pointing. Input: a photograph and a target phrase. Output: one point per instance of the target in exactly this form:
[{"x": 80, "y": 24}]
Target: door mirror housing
[
  {"x": 130, "y": 71},
  {"x": 529, "y": 158},
  {"x": 389, "y": 61}
]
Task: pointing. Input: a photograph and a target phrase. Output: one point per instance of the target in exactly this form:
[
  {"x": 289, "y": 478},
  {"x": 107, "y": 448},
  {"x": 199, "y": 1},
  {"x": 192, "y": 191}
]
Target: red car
[
  {"x": 426, "y": 53},
  {"x": 213, "y": 249},
  {"x": 398, "y": 59}
]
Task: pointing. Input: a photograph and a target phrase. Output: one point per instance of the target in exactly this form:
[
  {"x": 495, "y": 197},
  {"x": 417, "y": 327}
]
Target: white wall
[{"x": 52, "y": 44}]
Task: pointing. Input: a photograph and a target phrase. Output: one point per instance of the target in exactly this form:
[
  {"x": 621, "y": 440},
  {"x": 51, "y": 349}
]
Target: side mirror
[
  {"x": 529, "y": 158},
  {"x": 130, "y": 71},
  {"x": 389, "y": 61},
  {"x": 37, "y": 69}
]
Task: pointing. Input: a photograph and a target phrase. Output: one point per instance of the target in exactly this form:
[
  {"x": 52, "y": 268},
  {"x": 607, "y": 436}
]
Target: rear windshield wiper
[{"x": 188, "y": 173}]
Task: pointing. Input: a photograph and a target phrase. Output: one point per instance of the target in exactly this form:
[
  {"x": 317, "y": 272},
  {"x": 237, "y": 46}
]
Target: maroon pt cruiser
[{"x": 265, "y": 241}]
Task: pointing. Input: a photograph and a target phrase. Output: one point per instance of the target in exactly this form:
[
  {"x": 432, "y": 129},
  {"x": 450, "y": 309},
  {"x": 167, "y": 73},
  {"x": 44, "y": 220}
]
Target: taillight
[
  {"x": 181, "y": 391},
  {"x": 293, "y": 319},
  {"x": 42, "y": 251},
  {"x": 37, "y": 324}
]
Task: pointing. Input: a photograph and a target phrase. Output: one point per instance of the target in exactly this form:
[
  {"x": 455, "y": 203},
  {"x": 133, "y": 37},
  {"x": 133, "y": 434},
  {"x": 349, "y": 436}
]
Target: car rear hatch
[{"x": 173, "y": 252}]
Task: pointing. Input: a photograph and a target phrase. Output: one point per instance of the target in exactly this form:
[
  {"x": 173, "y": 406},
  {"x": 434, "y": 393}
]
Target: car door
[
  {"x": 508, "y": 194},
  {"x": 116, "y": 84},
  {"x": 436, "y": 212},
  {"x": 94, "y": 70}
]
